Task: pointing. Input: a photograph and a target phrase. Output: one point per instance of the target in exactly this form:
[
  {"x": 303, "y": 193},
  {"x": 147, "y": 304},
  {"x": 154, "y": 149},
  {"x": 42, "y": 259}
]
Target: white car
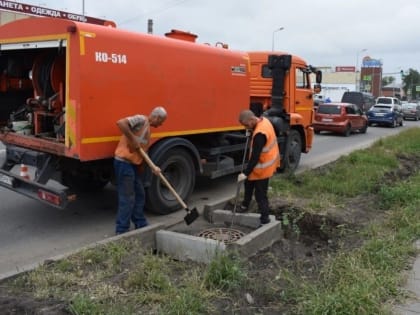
[{"x": 389, "y": 100}]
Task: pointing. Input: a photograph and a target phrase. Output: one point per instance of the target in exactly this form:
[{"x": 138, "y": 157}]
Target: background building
[
  {"x": 336, "y": 81},
  {"x": 339, "y": 79},
  {"x": 393, "y": 89},
  {"x": 371, "y": 76},
  {"x": 6, "y": 17}
]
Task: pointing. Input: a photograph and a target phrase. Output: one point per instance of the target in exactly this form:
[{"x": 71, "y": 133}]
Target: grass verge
[{"x": 365, "y": 278}]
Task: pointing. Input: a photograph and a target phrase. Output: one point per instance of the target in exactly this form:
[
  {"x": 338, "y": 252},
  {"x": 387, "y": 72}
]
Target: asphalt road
[{"x": 31, "y": 232}]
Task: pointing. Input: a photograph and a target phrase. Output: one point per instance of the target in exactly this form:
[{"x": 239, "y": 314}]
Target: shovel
[
  {"x": 192, "y": 214},
  {"x": 239, "y": 184}
]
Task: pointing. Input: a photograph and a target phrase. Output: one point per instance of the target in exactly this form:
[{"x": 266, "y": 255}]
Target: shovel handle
[{"x": 163, "y": 178}]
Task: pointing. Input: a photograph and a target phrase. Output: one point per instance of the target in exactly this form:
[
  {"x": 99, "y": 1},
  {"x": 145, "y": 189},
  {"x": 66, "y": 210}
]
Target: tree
[
  {"x": 410, "y": 80},
  {"x": 387, "y": 80}
]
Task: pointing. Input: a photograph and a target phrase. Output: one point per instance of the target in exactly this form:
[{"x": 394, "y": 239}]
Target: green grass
[
  {"x": 406, "y": 142},
  {"x": 363, "y": 280},
  {"x": 120, "y": 278},
  {"x": 352, "y": 175},
  {"x": 82, "y": 304},
  {"x": 225, "y": 272}
]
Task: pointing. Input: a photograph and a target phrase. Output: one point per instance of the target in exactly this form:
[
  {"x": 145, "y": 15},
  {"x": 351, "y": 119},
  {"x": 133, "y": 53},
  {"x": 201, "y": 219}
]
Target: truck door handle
[{"x": 297, "y": 102}]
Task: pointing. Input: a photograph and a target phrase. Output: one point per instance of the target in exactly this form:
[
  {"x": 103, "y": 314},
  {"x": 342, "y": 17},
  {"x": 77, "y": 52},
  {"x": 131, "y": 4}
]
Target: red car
[{"x": 342, "y": 118}]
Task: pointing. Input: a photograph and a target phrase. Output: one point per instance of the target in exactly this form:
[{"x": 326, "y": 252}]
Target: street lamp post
[
  {"x": 272, "y": 40},
  {"x": 357, "y": 86}
]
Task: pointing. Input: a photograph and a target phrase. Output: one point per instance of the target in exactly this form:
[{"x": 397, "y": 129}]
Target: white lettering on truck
[{"x": 105, "y": 57}]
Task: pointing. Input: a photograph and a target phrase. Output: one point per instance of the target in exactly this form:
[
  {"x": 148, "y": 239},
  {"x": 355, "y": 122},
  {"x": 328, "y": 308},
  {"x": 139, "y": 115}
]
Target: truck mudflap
[{"x": 56, "y": 197}]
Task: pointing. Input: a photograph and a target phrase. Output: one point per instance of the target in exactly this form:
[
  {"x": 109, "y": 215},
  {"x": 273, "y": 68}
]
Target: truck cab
[{"x": 281, "y": 90}]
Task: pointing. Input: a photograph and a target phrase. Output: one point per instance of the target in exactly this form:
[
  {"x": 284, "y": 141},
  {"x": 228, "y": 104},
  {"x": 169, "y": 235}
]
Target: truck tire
[
  {"x": 394, "y": 123},
  {"x": 347, "y": 132},
  {"x": 177, "y": 166},
  {"x": 291, "y": 157},
  {"x": 364, "y": 128}
]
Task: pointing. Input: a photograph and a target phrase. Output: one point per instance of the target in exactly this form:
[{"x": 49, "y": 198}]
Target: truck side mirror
[{"x": 318, "y": 76}]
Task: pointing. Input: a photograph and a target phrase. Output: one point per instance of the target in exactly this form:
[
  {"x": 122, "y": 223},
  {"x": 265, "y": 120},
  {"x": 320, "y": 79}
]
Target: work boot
[
  {"x": 242, "y": 208},
  {"x": 265, "y": 220}
]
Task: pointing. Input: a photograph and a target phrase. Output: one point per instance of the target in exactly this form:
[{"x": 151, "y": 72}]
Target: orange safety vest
[
  {"x": 269, "y": 159},
  {"x": 123, "y": 151}
]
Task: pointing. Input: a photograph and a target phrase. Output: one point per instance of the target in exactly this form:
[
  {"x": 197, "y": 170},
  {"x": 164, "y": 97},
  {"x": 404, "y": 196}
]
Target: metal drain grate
[{"x": 225, "y": 235}]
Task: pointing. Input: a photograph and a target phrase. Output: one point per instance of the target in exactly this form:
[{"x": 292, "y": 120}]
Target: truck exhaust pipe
[{"x": 279, "y": 65}]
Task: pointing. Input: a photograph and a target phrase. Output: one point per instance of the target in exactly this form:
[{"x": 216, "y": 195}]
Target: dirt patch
[
  {"x": 309, "y": 238},
  {"x": 29, "y": 306}
]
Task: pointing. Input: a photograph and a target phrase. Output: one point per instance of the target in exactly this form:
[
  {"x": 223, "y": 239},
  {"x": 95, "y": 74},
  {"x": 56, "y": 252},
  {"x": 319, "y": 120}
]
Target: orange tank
[{"x": 78, "y": 79}]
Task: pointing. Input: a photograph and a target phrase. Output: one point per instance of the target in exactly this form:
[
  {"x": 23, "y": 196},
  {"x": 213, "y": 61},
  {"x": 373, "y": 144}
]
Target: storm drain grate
[{"x": 225, "y": 235}]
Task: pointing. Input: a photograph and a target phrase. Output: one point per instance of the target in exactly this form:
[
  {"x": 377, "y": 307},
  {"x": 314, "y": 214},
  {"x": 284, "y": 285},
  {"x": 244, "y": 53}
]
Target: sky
[{"x": 324, "y": 32}]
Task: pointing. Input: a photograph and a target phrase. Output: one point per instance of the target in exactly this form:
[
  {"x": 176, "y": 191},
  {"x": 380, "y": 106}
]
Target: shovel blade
[{"x": 191, "y": 216}]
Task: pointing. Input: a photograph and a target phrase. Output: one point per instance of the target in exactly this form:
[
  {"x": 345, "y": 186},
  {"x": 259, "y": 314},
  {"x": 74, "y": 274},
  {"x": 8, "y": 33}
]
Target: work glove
[{"x": 241, "y": 177}]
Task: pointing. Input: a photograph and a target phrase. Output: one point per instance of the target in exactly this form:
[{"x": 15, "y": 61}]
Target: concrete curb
[
  {"x": 146, "y": 235},
  {"x": 412, "y": 306},
  {"x": 188, "y": 247},
  {"x": 183, "y": 246}
]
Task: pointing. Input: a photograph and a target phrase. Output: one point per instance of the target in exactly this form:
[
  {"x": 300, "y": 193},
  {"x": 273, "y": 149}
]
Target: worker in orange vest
[
  {"x": 264, "y": 159},
  {"x": 127, "y": 164}
]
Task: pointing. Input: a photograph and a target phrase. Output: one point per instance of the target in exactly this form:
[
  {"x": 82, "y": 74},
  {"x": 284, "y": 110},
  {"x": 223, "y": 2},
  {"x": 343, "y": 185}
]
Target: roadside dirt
[{"x": 308, "y": 240}]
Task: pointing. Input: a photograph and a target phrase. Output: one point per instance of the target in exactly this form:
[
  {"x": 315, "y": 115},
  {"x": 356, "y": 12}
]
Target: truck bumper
[
  {"x": 54, "y": 197},
  {"x": 38, "y": 188}
]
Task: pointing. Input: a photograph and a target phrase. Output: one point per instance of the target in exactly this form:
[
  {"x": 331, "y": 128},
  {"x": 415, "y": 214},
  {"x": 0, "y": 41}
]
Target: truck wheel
[
  {"x": 178, "y": 168},
  {"x": 364, "y": 128},
  {"x": 394, "y": 124},
  {"x": 291, "y": 157},
  {"x": 347, "y": 132}
]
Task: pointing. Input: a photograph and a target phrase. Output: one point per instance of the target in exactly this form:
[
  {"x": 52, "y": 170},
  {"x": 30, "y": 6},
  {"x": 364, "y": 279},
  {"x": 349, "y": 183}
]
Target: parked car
[
  {"x": 411, "y": 110},
  {"x": 363, "y": 100},
  {"x": 385, "y": 114},
  {"x": 342, "y": 118},
  {"x": 388, "y": 100}
]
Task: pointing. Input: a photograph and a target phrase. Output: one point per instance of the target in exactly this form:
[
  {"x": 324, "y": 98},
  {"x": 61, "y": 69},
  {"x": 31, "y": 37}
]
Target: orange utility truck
[
  {"x": 64, "y": 84},
  {"x": 280, "y": 88}
]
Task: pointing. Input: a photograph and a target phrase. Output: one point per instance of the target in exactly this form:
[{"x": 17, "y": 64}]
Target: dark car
[
  {"x": 385, "y": 114},
  {"x": 343, "y": 118},
  {"x": 411, "y": 110},
  {"x": 363, "y": 100}
]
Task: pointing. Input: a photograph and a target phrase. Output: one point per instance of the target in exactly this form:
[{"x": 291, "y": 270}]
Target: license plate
[
  {"x": 379, "y": 114},
  {"x": 6, "y": 180},
  {"x": 327, "y": 119}
]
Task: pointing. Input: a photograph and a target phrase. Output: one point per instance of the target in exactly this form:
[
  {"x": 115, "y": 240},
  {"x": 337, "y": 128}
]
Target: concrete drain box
[{"x": 202, "y": 240}]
